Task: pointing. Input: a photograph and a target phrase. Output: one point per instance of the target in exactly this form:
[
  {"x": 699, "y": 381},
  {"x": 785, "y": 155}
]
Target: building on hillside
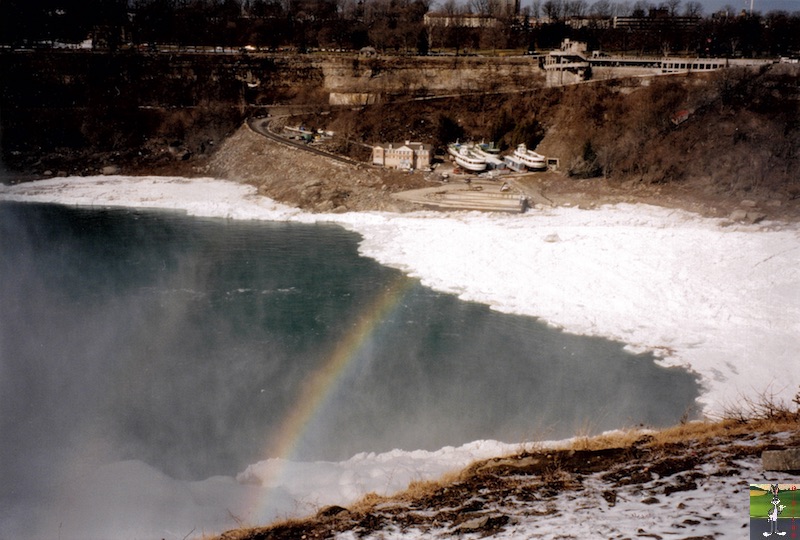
[
  {"x": 406, "y": 155},
  {"x": 571, "y": 64},
  {"x": 594, "y": 22},
  {"x": 568, "y": 64}
]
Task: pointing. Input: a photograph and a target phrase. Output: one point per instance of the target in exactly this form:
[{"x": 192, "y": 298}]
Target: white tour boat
[
  {"x": 454, "y": 148},
  {"x": 491, "y": 158},
  {"x": 531, "y": 159},
  {"x": 470, "y": 161}
]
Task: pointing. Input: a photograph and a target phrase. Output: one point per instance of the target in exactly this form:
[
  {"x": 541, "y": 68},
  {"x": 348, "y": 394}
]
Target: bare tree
[
  {"x": 601, "y": 8},
  {"x": 553, "y": 9},
  {"x": 734, "y": 41},
  {"x": 672, "y": 6},
  {"x": 536, "y": 9},
  {"x": 641, "y": 8},
  {"x": 450, "y": 8},
  {"x": 622, "y": 9},
  {"x": 493, "y": 37},
  {"x": 454, "y": 29},
  {"x": 487, "y": 8},
  {"x": 693, "y": 9},
  {"x": 575, "y": 8},
  {"x": 478, "y": 6}
]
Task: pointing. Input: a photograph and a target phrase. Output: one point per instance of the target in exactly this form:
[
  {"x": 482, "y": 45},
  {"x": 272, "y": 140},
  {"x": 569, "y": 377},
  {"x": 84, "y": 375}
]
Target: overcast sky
[{"x": 763, "y": 6}]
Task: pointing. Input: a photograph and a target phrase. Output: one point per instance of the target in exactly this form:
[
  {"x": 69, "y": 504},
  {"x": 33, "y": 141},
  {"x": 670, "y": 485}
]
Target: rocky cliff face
[
  {"x": 153, "y": 106},
  {"x": 733, "y": 133},
  {"x": 425, "y": 76}
]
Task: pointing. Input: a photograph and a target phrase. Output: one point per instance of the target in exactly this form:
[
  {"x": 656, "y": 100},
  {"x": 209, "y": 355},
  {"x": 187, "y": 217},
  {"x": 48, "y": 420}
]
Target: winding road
[{"x": 262, "y": 127}]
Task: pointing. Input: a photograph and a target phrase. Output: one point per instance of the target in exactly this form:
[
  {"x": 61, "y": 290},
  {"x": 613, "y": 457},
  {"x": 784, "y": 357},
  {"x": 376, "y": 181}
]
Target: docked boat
[
  {"x": 529, "y": 158},
  {"x": 469, "y": 160},
  {"x": 454, "y": 148},
  {"x": 489, "y": 148},
  {"x": 493, "y": 161}
]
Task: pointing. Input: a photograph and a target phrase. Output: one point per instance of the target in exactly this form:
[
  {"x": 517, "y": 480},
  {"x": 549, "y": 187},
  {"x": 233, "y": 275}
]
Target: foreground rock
[{"x": 782, "y": 460}]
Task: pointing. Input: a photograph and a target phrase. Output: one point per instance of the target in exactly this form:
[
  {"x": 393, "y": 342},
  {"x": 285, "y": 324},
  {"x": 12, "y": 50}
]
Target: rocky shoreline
[{"x": 318, "y": 184}]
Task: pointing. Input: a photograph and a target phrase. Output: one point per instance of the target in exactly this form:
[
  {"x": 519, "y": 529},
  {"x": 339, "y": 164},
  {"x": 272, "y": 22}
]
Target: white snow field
[{"x": 721, "y": 299}]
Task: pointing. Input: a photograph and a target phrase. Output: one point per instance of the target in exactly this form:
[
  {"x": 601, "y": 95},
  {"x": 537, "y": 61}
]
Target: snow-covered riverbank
[{"x": 718, "y": 298}]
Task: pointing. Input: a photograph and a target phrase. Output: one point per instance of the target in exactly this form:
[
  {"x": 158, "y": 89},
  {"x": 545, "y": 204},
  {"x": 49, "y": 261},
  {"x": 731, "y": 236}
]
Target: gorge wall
[
  {"x": 390, "y": 78},
  {"x": 181, "y": 102}
]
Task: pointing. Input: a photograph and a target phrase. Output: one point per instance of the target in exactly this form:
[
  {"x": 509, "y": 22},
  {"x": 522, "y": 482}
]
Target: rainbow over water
[{"x": 321, "y": 384}]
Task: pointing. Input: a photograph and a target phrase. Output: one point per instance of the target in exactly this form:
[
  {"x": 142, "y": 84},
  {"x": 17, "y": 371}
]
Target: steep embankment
[
  {"x": 306, "y": 180},
  {"x": 718, "y": 139},
  {"x": 77, "y": 111},
  {"x": 732, "y": 132}
]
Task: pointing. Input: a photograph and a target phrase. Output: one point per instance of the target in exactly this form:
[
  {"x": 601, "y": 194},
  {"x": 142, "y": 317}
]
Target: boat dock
[{"x": 481, "y": 195}]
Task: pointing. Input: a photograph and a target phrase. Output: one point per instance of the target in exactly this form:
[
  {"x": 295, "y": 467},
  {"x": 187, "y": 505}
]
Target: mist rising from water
[{"x": 182, "y": 343}]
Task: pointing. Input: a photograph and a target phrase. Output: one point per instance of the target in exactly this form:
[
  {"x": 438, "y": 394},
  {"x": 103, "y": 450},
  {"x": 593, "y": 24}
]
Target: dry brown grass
[
  {"x": 553, "y": 465},
  {"x": 422, "y": 487},
  {"x": 368, "y": 502},
  {"x": 616, "y": 439},
  {"x": 763, "y": 415},
  {"x": 417, "y": 489}
]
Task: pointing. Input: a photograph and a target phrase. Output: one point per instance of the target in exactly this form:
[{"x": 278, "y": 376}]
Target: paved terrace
[{"x": 482, "y": 195}]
